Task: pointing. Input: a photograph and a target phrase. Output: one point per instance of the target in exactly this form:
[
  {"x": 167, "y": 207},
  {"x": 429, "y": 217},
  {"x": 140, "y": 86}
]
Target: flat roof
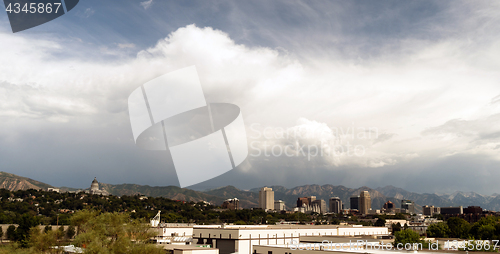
[
  {"x": 280, "y": 226},
  {"x": 339, "y": 238},
  {"x": 365, "y": 250},
  {"x": 184, "y": 247}
]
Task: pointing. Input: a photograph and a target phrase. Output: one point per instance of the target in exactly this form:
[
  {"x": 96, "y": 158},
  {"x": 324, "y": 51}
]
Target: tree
[
  {"x": 407, "y": 236},
  {"x": 484, "y": 229},
  {"x": 459, "y": 228},
  {"x": 396, "y": 228},
  {"x": 113, "y": 233},
  {"x": 335, "y": 221},
  {"x": 47, "y": 229},
  {"x": 497, "y": 231},
  {"x": 439, "y": 229},
  {"x": 60, "y": 231},
  {"x": 380, "y": 222},
  {"x": 70, "y": 233},
  {"x": 81, "y": 218},
  {"x": 11, "y": 233},
  {"x": 26, "y": 222},
  {"x": 44, "y": 242},
  {"x": 486, "y": 232},
  {"x": 1, "y": 234}
]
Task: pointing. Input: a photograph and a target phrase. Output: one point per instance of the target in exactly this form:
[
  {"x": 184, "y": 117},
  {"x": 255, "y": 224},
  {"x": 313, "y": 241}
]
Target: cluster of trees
[
  {"x": 487, "y": 228},
  {"x": 97, "y": 233},
  {"x": 21, "y": 233},
  {"x": 52, "y": 208},
  {"x": 382, "y": 219},
  {"x": 408, "y": 236}
]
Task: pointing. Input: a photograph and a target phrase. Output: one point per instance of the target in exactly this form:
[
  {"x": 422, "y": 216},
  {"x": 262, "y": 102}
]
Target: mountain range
[
  {"x": 14, "y": 182},
  {"x": 250, "y": 198}
]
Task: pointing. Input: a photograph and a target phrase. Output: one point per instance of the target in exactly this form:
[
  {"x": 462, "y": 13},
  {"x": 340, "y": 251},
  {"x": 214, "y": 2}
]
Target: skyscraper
[
  {"x": 354, "y": 200},
  {"x": 318, "y": 206},
  {"x": 388, "y": 205},
  {"x": 365, "y": 202},
  {"x": 431, "y": 210},
  {"x": 311, "y": 199},
  {"x": 266, "y": 198},
  {"x": 279, "y": 205},
  {"x": 407, "y": 206},
  {"x": 302, "y": 202},
  {"x": 335, "y": 205}
]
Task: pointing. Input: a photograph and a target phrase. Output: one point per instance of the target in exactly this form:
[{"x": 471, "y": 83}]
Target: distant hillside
[
  {"x": 14, "y": 182},
  {"x": 171, "y": 192},
  {"x": 456, "y": 199},
  {"x": 420, "y": 199},
  {"x": 247, "y": 199}
]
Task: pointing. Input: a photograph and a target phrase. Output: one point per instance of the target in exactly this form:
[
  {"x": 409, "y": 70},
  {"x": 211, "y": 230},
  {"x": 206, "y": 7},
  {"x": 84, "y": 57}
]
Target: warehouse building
[{"x": 241, "y": 238}]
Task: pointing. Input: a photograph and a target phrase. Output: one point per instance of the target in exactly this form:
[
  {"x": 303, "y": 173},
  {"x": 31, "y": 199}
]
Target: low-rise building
[
  {"x": 452, "y": 210},
  {"x": 231, "y": 204},
  {"x": 174, "y": 233},
  {"x": 241, "y": 238}
]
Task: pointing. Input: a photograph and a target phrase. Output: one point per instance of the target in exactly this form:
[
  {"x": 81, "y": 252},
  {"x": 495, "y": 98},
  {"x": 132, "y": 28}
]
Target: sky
[{"x": 357, "y": 93}]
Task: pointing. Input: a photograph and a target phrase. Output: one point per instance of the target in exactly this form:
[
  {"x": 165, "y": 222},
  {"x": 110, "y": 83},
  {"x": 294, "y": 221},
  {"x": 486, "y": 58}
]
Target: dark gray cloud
[
  {"x": 421, "y": 73},
  {"x": 438, "y": 175},
  {"x": 67, "y": 155}
]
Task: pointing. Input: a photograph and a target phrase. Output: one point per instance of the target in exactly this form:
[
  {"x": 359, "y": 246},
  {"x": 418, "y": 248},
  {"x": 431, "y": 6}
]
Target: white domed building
[{"x": 94, "y": 188}]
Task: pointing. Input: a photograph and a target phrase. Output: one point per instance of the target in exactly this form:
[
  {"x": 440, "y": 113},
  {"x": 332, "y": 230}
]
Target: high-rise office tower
[
  {"x": 354, "y": 200},
  {"x": 389, "y": 205},
  {"x": 302, "y": 202},
  {"x": 407, "y": 206},
  {"x": 318, "y": 206},
  {"x": 279, "y": 205},
  {"x": 311, "y": 199},
  {"x": 365, "y": 202},
  {"x": 431, "y": 210},
  {"x": 266, "y": 198},
  {"x": 335, "y": 205}
]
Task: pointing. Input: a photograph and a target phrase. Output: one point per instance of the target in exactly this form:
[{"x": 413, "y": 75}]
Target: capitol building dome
[
  {"x": 95, "y": 185},
  {"x": 94, "y": 188}
]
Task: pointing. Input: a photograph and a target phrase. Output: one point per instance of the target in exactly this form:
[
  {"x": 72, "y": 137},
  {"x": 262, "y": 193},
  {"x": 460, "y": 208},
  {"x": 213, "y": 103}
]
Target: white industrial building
[
  {"x": 241, "y": 239},
  {"x": 175, "y": 230},
  {"x": 173, "y": 233},
  {"x": 227, "y": 239}
]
